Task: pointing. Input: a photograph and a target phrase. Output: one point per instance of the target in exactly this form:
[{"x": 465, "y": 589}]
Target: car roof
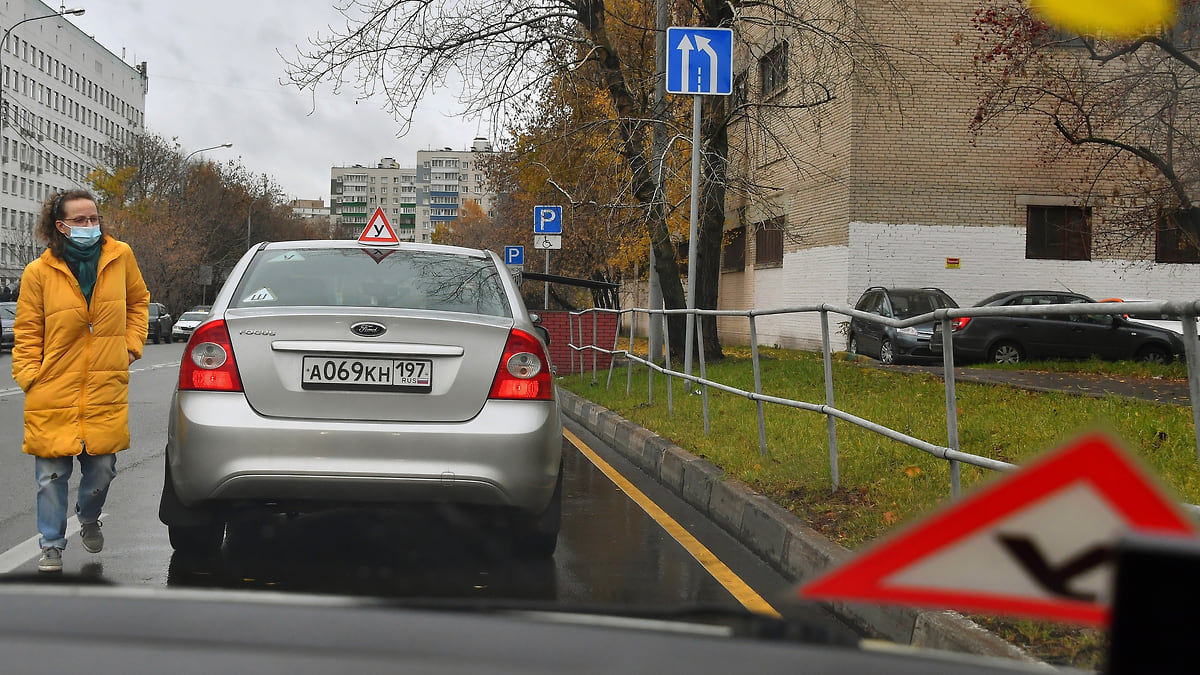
[{"x": 352, "y": 243}]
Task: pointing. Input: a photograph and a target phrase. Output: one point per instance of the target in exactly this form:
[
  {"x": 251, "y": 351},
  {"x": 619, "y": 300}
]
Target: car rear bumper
[{"x": 221, "y": 450}]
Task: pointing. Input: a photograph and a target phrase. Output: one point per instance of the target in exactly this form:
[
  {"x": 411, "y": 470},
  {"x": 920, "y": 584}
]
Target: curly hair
[{"x": 52, "y": 212}]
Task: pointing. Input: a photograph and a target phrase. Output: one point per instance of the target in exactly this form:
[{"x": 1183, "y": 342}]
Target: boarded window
[
  {"x": 1173, "y": 245},
  {"x": 733, "y": 250},
  {"x": 768, "y": 242},
  {"x": 1058, "y": 233}
]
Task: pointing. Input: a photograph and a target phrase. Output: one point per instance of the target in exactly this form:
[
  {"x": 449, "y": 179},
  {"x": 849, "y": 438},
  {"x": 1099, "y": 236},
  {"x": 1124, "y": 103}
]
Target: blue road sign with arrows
[
  {"x": 700, "y": 61},
  {"x": 547, "y": 220}
]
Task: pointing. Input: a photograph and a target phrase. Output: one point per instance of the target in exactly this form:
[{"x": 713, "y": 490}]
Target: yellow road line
[{"x": 725, "y": 576}]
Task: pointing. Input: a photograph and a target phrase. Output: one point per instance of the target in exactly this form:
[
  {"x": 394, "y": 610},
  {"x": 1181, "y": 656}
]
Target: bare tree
[
  {"x": 1127, "y": 110},
  {"x": 504, "y": 53}
]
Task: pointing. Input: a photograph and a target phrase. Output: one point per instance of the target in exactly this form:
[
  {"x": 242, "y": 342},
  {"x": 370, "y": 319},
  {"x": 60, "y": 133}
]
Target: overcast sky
[{"x": 214, "y": 78}]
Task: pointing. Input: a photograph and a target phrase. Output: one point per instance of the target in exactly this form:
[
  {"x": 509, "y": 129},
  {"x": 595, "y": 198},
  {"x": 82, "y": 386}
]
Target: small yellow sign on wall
[{"x": 953, "y": 263}]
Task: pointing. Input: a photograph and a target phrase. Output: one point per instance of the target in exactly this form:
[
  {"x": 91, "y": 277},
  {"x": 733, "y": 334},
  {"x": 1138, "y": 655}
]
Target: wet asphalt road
[{"x": 610, "y": 553}]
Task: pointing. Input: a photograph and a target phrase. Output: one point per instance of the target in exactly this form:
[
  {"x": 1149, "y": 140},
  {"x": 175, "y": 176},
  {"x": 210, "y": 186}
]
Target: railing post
[
  {"x": 595, "y": 342},
  {"x": 951, "y": 405},
  {"x": 581, "y": 345},
  {"x": 1191, "y": 352},
  {"x": 827, "y": 358},
  {"x": 670, "y": 384},
  {"x": 612, "y": 357},
  {"x": 629, "y": 351},
  {"x": 703, "y": 372},
  {"x": 650, "y": 376},
  {"x": 571, "y": 341},
  {"x": 762, "y": 429}
]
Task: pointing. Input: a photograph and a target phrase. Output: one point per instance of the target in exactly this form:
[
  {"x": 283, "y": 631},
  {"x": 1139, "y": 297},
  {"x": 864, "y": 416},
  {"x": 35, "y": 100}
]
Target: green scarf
[{"x": 84, "y": 261}]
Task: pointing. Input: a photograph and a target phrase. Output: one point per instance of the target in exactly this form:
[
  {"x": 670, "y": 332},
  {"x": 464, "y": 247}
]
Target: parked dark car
[
  {"x": 160, "y": 323},
  {"x": 887, "y": 344},
  {"x": 8, "y": 314},
  {"x": 1013, "y": 339}
]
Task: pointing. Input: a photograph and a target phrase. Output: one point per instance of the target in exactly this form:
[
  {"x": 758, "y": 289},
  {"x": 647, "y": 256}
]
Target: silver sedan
[{"x": 333, "y": 373}]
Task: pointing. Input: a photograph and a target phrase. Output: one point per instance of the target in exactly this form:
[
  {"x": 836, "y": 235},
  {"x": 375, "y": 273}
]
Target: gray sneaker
[
  {"x": 92, "y": 537},
  {"x": 51, "y": 560}
]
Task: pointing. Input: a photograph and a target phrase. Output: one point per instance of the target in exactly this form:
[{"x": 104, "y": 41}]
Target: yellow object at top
[{"x": 1107, "y": 18}]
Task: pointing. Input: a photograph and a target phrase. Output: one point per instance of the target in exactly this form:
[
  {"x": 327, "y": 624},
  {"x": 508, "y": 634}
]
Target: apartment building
[
  {"x": 886, "y": 185},
  {"x": 310, "y": 209},
  {"x": 64, "y": 98},
  {"x": 415, "y": 199},
  {"x": 356, "y": 191},
  {"x": 449, "y": 179}
]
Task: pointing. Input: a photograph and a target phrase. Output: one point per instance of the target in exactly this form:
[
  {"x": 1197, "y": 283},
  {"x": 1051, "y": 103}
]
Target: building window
[
  {"x": 1172, "y": 245},
  {"x": 733, "y": 250},
  {"x": 1058, "y": 233},
  {"x": 773, "y": 71},
  {"x": 768, "y": 242}
]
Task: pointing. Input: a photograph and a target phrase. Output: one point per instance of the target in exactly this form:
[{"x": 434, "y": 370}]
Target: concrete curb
[{"x": 776, "y": 534}]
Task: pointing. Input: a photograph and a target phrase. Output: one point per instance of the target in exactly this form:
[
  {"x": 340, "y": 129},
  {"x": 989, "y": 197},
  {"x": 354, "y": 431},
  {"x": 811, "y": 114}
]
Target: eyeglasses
[{"x": 84, "y": 220}]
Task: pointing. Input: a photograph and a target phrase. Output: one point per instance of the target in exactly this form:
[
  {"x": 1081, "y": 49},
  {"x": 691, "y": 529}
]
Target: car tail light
[
  {"x": 208, "y": 363},
  {"x": 959, "y": 323},
  {"x": 524, "y": 370}
]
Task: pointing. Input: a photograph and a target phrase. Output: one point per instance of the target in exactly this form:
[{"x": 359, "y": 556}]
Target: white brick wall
[
  {"x": 880, "y": 254},
  {"x": 993, "y": 260}
]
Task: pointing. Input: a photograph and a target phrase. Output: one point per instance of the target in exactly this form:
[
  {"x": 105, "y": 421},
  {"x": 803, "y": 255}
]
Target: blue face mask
[{"x": 85, "y": 235}]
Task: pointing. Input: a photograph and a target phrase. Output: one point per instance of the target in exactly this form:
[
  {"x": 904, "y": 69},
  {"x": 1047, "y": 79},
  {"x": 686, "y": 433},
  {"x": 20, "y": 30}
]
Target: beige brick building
[{"x": 886, "y": 184}]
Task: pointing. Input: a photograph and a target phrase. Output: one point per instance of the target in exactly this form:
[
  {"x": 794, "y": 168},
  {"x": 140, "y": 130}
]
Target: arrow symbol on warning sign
[{"x": 1055, "y": 579}]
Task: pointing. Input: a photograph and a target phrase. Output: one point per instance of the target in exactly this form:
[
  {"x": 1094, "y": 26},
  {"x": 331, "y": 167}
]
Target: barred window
[{"x": 773, "y": 71}]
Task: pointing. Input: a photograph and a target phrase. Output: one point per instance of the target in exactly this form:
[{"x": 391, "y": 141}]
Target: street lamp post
[
  {"x": 78, "y": 11},
  {"x": 214, "y": 147}
]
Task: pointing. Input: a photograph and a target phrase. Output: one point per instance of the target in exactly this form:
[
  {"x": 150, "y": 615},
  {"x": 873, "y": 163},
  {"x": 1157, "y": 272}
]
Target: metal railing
[{"x": 950, "y": 452}]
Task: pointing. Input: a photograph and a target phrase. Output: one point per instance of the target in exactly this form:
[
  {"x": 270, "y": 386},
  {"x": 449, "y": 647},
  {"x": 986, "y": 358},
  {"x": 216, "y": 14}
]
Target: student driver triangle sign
[
  {"x": 378, "y": 230},
  {"x": 1037, "y": 543}
]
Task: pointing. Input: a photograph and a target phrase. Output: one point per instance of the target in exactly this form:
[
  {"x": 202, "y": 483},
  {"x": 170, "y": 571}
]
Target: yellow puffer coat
[{"x": 73, "y": 363}]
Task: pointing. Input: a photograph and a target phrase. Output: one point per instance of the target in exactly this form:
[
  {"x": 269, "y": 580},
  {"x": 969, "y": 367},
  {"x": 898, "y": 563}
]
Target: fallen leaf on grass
[
  {"x": 890, "y": 517},
  {"x": 912, "y": 471}
]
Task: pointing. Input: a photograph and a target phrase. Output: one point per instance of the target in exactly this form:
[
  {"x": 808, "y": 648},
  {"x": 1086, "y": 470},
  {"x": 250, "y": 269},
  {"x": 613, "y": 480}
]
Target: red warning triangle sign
[
  {"x": 378, "y": 230},
  {"x": 1036, "y": 543}
]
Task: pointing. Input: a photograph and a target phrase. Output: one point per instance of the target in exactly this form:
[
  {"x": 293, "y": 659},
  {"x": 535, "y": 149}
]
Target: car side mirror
[
  {"x": 544, "y": 333},
  {"x": 536, "y": 319}
]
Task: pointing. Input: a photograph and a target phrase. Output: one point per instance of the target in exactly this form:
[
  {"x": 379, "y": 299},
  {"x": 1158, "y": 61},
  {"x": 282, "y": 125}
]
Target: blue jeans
[{"x": 53, "y": 474}]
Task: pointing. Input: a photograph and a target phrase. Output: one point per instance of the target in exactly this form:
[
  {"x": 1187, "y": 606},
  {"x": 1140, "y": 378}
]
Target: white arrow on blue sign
[
  {"x": 700, "y": 61},
  {"x": 547, "y": 220},
  {"x": 514, "y": 255}
]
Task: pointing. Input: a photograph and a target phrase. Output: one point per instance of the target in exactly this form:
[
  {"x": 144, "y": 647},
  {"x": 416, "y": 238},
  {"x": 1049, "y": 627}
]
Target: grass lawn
[{"x": 884, "y": 483}]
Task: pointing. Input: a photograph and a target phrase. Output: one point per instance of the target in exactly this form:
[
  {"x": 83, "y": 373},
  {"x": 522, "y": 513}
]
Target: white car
[
  {"x": 182, "y": 330},
  {"x": 1168, "y": 321}
]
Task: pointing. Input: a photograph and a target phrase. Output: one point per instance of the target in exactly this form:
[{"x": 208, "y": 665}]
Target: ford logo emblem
[{"x": 368, "y": 329}]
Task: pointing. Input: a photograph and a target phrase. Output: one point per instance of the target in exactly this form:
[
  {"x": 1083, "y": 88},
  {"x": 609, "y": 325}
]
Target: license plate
[{"x": 414, "y": 375}]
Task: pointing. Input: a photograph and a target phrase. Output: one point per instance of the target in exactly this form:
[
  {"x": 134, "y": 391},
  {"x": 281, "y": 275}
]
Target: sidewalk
[{"x": 1171, "y": 392}]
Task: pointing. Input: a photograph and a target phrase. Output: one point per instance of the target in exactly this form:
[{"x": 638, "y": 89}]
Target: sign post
[
  {"x": 547, "y": 220},
  {"x": 709, "y": 70}
]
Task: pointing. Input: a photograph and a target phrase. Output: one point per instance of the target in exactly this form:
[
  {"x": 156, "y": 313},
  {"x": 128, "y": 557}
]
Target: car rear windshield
[
  {"x": 907, "y": 304},
  {"x": 373, "y": 278}
]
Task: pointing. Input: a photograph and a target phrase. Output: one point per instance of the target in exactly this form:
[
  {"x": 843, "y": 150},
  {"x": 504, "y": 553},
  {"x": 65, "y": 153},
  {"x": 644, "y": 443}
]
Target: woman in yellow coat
[{"x": 81, "y": 322}]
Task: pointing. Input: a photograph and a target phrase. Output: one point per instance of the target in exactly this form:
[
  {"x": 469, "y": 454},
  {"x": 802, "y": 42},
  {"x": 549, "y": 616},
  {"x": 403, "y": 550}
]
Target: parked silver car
[{"x": 329, "y": 373}]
